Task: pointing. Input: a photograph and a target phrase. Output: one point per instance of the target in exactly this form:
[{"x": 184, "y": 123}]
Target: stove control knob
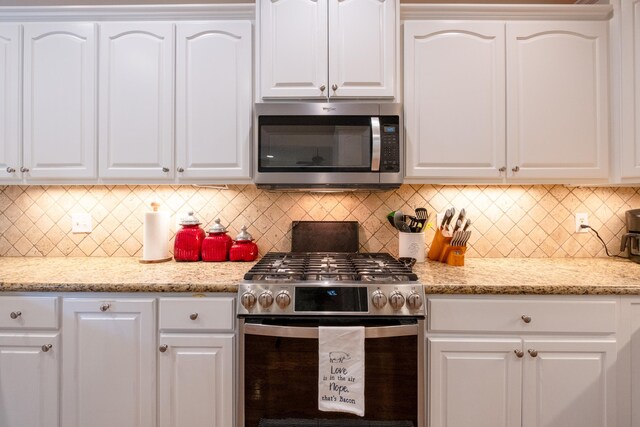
[
  {"x": 379, "y": 299},
  {"x": 396, "y": 299},
  {"x": 248, "y": 300},
  {"x": 283, "y": 299},
  {"x": 414, "y": 300},
  {"x": 266, "y": 299}
]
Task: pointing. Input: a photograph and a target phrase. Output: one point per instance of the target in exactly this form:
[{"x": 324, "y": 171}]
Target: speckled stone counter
[
  {"x": 536, "y": 276},
  {"x": 117, "y": 275}
]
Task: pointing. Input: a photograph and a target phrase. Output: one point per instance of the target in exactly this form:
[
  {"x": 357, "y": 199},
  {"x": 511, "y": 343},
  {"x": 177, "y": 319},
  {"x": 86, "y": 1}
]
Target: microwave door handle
[
  {"x": 376, "y": 144},
  {"x": 312, "y": 333}
]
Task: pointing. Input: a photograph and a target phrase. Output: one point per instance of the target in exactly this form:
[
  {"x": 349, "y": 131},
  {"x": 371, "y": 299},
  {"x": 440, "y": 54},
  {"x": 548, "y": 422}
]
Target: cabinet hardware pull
[
  {"x": 322, "y": 88},
  {"x": 46, "y": 347},
  {"x": 533, "y": 353},
  {"x": 105, "y": 307},
  {"x": 180, "y": 170},
  {"x": 15, "y": 314},
  {"x": 165, "y": 170},
  {"x": 193, "y": 316},
  {"x": 163, "y": 348},
  {"x": 24, "y": 170},
  {"x": 519, "y": 353},
  {"x": 10, "y": 169},
  {"x": 515, "y": 169},
  {"x": 526, "y": 318},
  {"x": 334, "y": 87},
  {"x": 502, "y": 169}
]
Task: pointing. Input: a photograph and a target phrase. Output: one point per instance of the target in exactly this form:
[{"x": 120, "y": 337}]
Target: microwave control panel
[{"x": 390, "y": 144}]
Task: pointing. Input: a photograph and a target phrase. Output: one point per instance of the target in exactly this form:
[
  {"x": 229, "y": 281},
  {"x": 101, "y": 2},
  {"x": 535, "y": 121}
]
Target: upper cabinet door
[
  {"x": 60, "y": 100},
  {"x": 455, "y": 119},
  {"x": 293, "y": 48},
  {"x": 362, "y": 46},
  {"x": 630, "y": 93},
  {"x": 136, "y": 100},
  {"x": 213, "y": 100},
  {"x": 557, "y": 100},
  {"x": 10, "y": 102}
]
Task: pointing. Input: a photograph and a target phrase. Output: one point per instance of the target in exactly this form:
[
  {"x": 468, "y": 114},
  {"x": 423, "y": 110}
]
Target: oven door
[{"x": 279, "y": 372}]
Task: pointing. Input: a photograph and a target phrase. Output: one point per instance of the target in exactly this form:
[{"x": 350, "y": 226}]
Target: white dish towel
[{"x": 341, "y": 369}]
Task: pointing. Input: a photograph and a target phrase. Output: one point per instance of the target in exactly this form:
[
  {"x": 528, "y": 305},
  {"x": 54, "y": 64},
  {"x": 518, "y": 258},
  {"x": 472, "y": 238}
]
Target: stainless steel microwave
[{"x": 312, "y": 146}]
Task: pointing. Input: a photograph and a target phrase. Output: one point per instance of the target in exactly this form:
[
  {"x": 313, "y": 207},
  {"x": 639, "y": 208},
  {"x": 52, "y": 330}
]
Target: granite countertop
[{"x": 566, "y": 276}]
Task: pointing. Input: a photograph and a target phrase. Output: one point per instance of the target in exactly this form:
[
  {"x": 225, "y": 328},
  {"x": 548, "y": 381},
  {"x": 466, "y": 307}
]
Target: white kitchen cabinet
[
  {"x": 196, "y": 380},
  {"x": 555, "y": 89},
  {"x": 136, "y": 100},
  {"x": 441, "y": 93},
  {"x": 629, "y": 363},
  {"x": 59, "y": 100},
  {"x": 10, "y": 78},
  {"x": 529, "y": 361},
  {"x": 328, "y": 48},
  {"x": 213, "y": 100},
  {"x": 109, "y": 364}
]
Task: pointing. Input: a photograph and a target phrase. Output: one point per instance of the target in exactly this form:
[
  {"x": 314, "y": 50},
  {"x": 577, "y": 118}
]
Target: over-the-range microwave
[{"x": 328, "y": 146}]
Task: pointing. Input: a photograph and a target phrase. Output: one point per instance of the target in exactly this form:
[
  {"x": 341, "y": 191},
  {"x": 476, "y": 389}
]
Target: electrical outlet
[
  {"x": 582, "y": 219},
  {"x": 81, "y": 223}
]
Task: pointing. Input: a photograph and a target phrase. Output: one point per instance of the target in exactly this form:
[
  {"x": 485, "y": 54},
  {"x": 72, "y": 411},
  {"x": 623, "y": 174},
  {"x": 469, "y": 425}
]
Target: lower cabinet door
[
  {"x": 196, "y": 380},
  {"x": 475, "y": 382},
  {"x": 29, "y": 380},
  {"x": 569, "y": 383}
]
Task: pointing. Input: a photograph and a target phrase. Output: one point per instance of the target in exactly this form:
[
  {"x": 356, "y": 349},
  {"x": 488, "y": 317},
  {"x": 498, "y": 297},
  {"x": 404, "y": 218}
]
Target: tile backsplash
[{"x": 508, "y": 221}]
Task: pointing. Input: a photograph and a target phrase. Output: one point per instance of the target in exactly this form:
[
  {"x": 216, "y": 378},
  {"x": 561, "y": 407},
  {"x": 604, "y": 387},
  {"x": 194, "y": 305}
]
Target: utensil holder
[
  {"x": 440, "y": 239},
  {"x": 411, "y": 245}
]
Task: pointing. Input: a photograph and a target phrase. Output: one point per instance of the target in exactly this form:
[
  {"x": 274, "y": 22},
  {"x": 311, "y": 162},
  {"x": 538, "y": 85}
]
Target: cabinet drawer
[
  {"x": 510, "y": 315},
  {"x": 203, "y": 314},
  {"x": 28, "y": 313}
]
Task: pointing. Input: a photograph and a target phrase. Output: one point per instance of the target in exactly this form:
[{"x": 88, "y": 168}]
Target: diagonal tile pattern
[{"x": 508, "y": 221}]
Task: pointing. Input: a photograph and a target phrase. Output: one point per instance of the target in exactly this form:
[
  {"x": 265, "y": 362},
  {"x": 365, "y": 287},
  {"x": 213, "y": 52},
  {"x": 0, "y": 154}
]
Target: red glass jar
[
  {"x": 217, "y": 244},
  {"x": 243, "y": 248},
  {"x": 188, "y": 240}
]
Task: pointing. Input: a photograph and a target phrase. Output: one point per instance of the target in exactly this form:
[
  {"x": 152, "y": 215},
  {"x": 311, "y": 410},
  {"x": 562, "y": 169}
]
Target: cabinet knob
[
  {"x": 519, "y": 353},
  {"x": 322, "y": 88},
  {"x": 46, "y": 347},
  {"x": 515, "y": 169},
  {"x": 165, "y": 170},
  {"x": 180, "y": 170},
  {"x": 163, "y": 348},
  {"x": 105, "y": 307},
  {"x": 15, "y": 314},
  {"x": 334, "y": 87},
  {"x": 24, "y": 170},
  {"x": 502, "y": 169},
  {"x": 526, "y": 319},
  {"x": 10, "y": 169},
  {"x": 533, "y": 353},
  {"x": 193, "y": 316}
]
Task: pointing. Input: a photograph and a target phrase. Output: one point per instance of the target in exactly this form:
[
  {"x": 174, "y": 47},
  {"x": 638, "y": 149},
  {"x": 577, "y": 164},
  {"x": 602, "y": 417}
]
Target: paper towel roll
[{"x": 155, "y": 237}]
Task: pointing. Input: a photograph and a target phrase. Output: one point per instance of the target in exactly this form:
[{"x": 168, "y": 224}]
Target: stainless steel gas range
[{"x": 283, "y": 302}]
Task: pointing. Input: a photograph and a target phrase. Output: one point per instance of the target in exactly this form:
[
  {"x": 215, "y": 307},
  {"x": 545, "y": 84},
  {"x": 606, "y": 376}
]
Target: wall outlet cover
[{"x": 81, "y": 223}]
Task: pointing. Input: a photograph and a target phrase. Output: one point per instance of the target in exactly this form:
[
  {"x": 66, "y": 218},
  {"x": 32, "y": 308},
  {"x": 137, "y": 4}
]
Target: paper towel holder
[{"x": 155, "y": 207}]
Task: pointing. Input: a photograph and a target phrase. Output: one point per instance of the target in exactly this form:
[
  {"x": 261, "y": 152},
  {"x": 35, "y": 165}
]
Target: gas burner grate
[{"x": 330, "y": 266}]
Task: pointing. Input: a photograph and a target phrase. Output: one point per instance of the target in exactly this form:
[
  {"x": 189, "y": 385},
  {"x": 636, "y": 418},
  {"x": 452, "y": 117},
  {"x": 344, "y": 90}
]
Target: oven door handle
[{"x": 312, "y": 332}]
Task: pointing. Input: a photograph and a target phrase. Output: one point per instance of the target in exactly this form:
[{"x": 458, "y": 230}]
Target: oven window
[
  {"x": 281, "y": 382},
  {"x": 314, "y": 144}
]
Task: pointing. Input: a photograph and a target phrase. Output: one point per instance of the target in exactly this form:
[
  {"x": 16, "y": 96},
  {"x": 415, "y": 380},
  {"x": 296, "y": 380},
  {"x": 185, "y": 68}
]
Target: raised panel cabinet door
[
  {"x": 362, "y": 48},
  {"x": 196, "y": 380},
  {"x": 454, "y": 103},
  {"x": 569, "y": 383},
  {"x": 630, "y": 92},
  {"x": 59, "y": 100},
  {"x": 29, "y": 379},
  {"x": 213, "y": 100},
  {"x": 136, "y": 100},
  {"x": 293, "y": 48},
  {"x": 10, "y": 77},
  {"x": 474, "y": 382},
  {"x": 109, "y": 364},
  {"x": 557, "y": 100}
]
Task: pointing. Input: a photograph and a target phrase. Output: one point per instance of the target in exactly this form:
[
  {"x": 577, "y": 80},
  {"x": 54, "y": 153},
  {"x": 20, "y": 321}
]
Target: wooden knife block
[
  {"x": 442, "y": 251},
  {"x": 440, "y": 239}
]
